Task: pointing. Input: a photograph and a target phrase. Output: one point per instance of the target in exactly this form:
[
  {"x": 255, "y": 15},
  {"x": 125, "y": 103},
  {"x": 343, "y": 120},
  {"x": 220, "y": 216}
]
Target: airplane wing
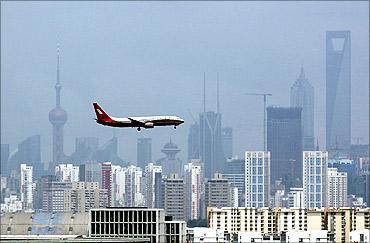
[{"x": 136, "y": 122}]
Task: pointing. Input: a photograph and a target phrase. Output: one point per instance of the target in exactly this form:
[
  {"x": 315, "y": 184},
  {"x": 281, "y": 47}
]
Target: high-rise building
[
  {"x": 218, "y": 192},
  {"x": 315, "y": 178},
  {"x": 55, "y": 195},
  {"x": 106, "y": 180},
  {"x": 152, "y": 173},
  {"x": 118, "y": 185},
  {"x": 302, "y": 95},
  {"x": 26, "y": 186},
  {"x": 227, "y": 142},
  {"x": 338, "y": 90},
  {"x": 4, "y": 160},
  {"x": 174, "y": 197},
  {"x": 134, "y": 191},
  {"x": 336, "y": 188},
  {"x": 90, "y": 172},
  {"x": 234, "y": 172},
  {"x": 284, "y": 142},
  {"x": 257, "y": 178},
  {"x": 193, "y": 142},
  {"x": 296, "y": 198},
  {"x": 170, "y": 164},
  {"x": 58, "y": 117},
  {"x": 29, "y": 152},
  {"x": 67, "y": 172},
  {"x": 144, "y": 152},
  {"x": 193, "y": 188},
  {"x": 85, "y": 150},
  {"x": 211, "y": 152}
]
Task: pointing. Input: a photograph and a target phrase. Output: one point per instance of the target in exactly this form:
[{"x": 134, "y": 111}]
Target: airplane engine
[{"x": 149, "y": 125}]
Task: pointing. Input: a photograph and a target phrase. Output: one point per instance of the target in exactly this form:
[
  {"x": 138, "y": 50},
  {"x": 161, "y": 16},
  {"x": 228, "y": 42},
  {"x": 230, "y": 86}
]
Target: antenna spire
[
  {"x": 204, "y": 92},
  {"x": 58, "y": 86},
  {"x": 218, "y": 94}
]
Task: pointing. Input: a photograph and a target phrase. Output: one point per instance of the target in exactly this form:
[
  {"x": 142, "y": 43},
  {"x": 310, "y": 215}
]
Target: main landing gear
[
  {"x": 139, "y": 129},
  {"x": 174, "y": 127}
]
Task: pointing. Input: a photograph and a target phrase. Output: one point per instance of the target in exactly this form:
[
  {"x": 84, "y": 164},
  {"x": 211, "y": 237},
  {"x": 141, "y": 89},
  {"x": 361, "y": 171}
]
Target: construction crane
[{"x": 264, "y": 114}]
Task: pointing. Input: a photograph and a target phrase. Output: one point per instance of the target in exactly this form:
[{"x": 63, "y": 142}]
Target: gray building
[
  {"x": 211, "y": 151},
  {"x": 29, "y": 153},
  {"x": 144, "y": 152},
  {"x": 338, "y": 90},
  {"x": 90, "y": 172},
  {"x": 193, "y": 142},
  {"x": 227, "y": 142},
  {"x": 174, "y": 197},
  {"x": 284, "y": 142},
  {"x": 218, "y": 192},
  {"x": 234, "y": 172},
  {"x": 4, "y": 160},
  {"x": 302, "y": 95},
  {"x": 170, "y": 163}
]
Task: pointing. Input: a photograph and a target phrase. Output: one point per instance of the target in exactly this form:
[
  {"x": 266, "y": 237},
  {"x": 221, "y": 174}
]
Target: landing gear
[
  {"x": 174, "y": 127},
  {"x": 139, "y": 129}
]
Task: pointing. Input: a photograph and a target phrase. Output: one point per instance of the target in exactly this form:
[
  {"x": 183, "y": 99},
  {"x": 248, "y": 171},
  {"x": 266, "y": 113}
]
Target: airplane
[{"x": 140, "y": 122}]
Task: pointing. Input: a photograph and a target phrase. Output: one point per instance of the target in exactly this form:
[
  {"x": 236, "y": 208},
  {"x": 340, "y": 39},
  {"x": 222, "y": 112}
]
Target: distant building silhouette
[
  {"x": 302, "y": 95},
  {"x": 284, "y": 142},
  {"x": 170, "y": 164},
  {"x": 109, "y": 152},
  {"x": 227, "y": 142},
  {"x": 58, "y": 117},
  {"x": 85, "y": 149},
  {"x": 338, "y": 90},
  {"x": 193, "y": 142},
  {"x": 144, "y": 152},
  {"x": 4, "y": 170}
]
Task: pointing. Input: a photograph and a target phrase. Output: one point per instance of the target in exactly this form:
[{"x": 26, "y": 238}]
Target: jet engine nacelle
[{"x": 149, "y": 125}]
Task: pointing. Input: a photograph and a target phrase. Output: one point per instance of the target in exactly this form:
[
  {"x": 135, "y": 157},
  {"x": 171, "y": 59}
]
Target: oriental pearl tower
[{"x": 58, "y": 117}]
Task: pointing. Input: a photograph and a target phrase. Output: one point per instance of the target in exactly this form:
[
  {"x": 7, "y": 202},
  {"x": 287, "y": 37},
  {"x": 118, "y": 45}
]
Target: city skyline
[{"x": 84, "y": 78}]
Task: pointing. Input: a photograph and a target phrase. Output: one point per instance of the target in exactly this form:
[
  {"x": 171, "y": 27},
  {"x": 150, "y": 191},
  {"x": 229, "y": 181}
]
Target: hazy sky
[{"x": 148, "y": 58}]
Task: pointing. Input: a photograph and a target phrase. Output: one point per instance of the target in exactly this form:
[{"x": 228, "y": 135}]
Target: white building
[
  {"x": 296, "y": 197},
  {"x": 307, "y": 236},
  {"x": 257, "y": 178},
  {"x": 193, "y": 188},
  {"x": 153, "y": 175},
  {"x": 315, "y": 178},
  {"x": 26, "y": 186},
  {"x": 67, "y": 172},
  {"x": 203, "y": 234},
  {"x": 359, "y": 236},
  {"x": 134, "y": 191},
  {"x": 118, "y": 185},
  {"x": 11, "y": 204},
  {"x": 336, "y": 188}
]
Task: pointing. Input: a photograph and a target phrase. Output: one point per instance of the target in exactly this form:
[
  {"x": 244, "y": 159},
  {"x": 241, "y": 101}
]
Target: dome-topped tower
[
  {"x": 58, "y": 117},
  {"x": 170, "y": 149}
]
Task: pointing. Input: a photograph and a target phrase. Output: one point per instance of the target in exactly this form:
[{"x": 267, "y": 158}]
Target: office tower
[
  {"x": 227, "y": 142},
  {"x": 284, "y": 142},
  {"x": 315, "y": 178},
  {"x": 84, "y": 196},
  {"x": 338, "y": 90},
  {"x": 67, "y": 172},
  {"x": 29, "y": 152},
  {"x": 26, "y": 186},
  {"x": 4, "y": 160},
  {"x": 211, "y": 143},
  {"x": 54, "y": 195},
  {"x": 85, "y": 150},
  {"x": 152, "y": 173},
  {"x": 257, "y": 178},
  {"x": 193, "y": 188},
  {"x": 336, "y": 188},
  {"x": 90, "y": 172},
  {"x": 144, "y": 152},
  {"x": 296, "y": 197},
  {"x": 109, "y": 152},
  {"x": 193, "y": 142},
  {"x": 134, "y": 191},
  {"x": 106, "y": 180},
  {"x": 174, "y": 197},
  {"x": 234, "y": 172},
  {"x": 118, "y": 185},
  {"x": 218, "y": 192},
  {"x": 170, "y": 164},
  {"x": 302, "y": 95},
  {"x": 58, "y": 117}
]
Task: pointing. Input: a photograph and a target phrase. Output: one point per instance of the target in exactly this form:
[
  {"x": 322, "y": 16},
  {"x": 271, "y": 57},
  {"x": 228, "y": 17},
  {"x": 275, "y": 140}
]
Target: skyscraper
[
  {"x": 170, "y": 164},
  {"x": 336, "y": 188},
  {"x": 29, "y": 152},
  {"x": 4, "y": 160},
  {"x": 67, "y": 172},
  {"x": 234, "y": 172},
  {"x": 302, "y": 95},
  {"x": 218, "y": 192},
  {"x": 174, "y": 197},
  {"x": 284, "y": 142},
  {"x": 193, "y": 142},
  {"x": 106, "y": 180},
  {"x": 257, "y": 179},
  {"x": 315, "y": 178},
  {"x": 152, "y": 173},
  {"x": 144, "y": 152},
  {"x": 133, "y": 187},
  {"x": 227, "y": 142},
  {"x": 193, "y": 188},
  {"x": 26, "y": 186},
  {"x": 58, "y": 117},
  {"x": 338, "y": 90}
]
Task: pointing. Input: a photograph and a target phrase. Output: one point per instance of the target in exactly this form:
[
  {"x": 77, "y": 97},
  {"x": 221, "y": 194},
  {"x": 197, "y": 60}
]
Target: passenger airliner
[{"x": 139, "y": 122}]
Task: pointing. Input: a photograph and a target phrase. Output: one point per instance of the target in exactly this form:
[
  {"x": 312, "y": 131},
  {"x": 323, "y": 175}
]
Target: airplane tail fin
[{"x": 101, "y": 115}]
